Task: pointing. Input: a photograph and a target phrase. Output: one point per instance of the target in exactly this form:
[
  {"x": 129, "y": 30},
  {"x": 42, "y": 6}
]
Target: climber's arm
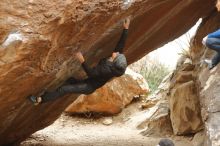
[
  {"x": 121, "y": 43},
  {"x": 91, "y": 72}
]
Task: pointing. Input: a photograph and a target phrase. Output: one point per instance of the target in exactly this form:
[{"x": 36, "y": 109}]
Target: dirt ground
[{"x": 81, "y": 131}]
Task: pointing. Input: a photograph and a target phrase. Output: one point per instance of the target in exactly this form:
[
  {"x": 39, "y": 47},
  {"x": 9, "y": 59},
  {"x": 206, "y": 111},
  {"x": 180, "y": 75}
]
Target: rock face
[
  {"x": 184, "y": 101},
  {"x": 194, "y": 90},
  {"x": 159, "y": 123},
  {"x": 177, "y": 110},
  {"x": 38, "y": 39},
  {"x": 209, "y": 83},
  {"x": 157, "y": 116},
  {"x": 113, "y": 96}
]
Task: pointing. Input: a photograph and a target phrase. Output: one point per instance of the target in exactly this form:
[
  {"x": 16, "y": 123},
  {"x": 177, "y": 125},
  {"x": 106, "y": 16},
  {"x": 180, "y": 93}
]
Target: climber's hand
[
  {"x": 80, "y": 57},
  {"x": 126, "y": 23}
]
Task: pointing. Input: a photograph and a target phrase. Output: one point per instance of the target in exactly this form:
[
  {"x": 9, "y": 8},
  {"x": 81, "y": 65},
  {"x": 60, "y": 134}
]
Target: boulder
[
  {"x": 208, "y": 82},
  {"x": 185, "y": 109},
  {"x": 199, "y": 139},
  {"x": 113, "y": 96},
  {"x": 154, "y": 120},
  {"x": 210, "y": 104},
  {"x": 159, "y": 123},
  {"x": 185, "y": 112}
]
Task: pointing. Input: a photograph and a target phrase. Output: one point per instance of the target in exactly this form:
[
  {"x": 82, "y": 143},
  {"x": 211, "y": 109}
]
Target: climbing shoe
[
  {"x": 209, "y": 63},
  {"x": 36, "y": 100}
]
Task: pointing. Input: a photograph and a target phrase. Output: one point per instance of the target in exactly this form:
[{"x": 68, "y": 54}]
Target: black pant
[{"x": 71, "y": 86}]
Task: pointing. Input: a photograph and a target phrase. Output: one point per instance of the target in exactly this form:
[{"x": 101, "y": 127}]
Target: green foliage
[{"x": 154, "y": 74}]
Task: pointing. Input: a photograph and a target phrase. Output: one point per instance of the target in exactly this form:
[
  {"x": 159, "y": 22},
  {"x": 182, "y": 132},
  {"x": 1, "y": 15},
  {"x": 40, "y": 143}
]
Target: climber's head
[
  {"x": 218, "y": 5},
  {"x": 165, "y": 142},
  {"x": 119, "y": 64}
]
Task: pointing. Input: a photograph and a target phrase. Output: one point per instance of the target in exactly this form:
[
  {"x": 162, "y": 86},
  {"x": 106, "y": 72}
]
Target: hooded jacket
[{"x": 105, "y": 70}]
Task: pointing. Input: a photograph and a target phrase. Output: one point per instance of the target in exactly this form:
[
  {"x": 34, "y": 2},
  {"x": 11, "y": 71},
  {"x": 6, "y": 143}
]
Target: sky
[{"x": 169, "y": 53}]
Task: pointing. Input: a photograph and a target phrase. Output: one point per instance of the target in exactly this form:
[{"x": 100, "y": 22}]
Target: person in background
[
  {"x": 165, "y": 142},
  {"x": 212, "y": 41}
]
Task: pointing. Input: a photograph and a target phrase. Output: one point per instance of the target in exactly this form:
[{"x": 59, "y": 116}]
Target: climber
[
  {"x": 106, "y": 69},
  {"x": 212, "y": 41},
  {"x": 165, "y": 142}
]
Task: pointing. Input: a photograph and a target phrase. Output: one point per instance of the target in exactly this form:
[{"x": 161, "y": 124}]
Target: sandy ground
[{"x": 81, "y": 131}]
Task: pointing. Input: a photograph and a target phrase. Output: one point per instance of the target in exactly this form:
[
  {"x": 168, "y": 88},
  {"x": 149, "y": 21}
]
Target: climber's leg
[
  {"x": 214, "y": 44},
  {"x": 78, "y": 88}
]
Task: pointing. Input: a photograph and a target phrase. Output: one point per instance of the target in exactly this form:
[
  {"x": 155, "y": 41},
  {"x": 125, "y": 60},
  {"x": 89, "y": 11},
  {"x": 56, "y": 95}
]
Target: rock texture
[
  {"x": 194, "y": 91},
  {"x": 113, "y": 96},
  {"x": 159, "y": 124},
  {"x": 38, "y": 39},
  {"x": 177, "y": 106},
  {"x": 185, "y": 112},
  {"x": 156, "y": 121},
  {"x": 209, "y": 83}
]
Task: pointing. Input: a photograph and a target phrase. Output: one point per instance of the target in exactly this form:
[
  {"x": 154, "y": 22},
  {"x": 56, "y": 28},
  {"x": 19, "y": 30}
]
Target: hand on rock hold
[
  {"x": 80, "y": 57},
  {"x": 126, "y": 23}
]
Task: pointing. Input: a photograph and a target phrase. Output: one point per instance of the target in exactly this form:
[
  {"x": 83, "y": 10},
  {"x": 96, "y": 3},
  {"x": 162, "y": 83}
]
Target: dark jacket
[
  {"x": 100, "y": 74},
  {"x": 105, "y": 70}
]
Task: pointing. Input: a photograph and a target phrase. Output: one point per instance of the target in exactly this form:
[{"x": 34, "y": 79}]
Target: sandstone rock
[
  {"x": 107, "y": 121},
  {"x": 182, "y": 114},
  {"x": 195, "y": 91},
  {"x": 53, "y": 30},
  {"x": 159, "y": 94},
  {"x": 155, "y": 120},
  {"x": 113, "y": 96},
  {"x": 159, "y": 123},
  {"x": 185, "y": 112},
  {"x": 210, "y": 103},
  {"x": 184, "y": 76},
  {"x": 185, "y": 109},
  {"x": 209, "y": 82},
  {"x": 148, "y": 104},
  {"x": 199, "y": 139}
]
